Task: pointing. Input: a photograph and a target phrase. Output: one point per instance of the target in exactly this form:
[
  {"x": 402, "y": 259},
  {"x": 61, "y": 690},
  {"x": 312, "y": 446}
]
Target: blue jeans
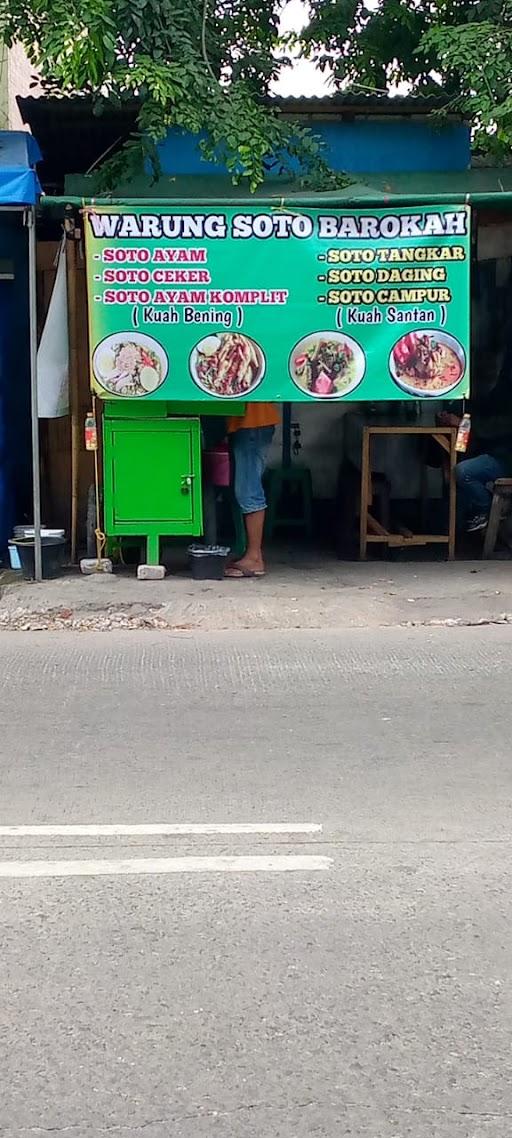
[
  {"x": 472, "y": 476},
  {"x": 250, "y": 447}
]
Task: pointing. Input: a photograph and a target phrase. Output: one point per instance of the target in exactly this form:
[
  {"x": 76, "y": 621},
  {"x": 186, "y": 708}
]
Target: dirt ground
[{"x": 299, "y": 591}]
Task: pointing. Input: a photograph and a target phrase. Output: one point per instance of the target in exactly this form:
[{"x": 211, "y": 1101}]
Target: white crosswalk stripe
[
  {"x": 121, "y": 864},
  {"x": 286, "y": 863},
  {"x": 148, "y": 829}
]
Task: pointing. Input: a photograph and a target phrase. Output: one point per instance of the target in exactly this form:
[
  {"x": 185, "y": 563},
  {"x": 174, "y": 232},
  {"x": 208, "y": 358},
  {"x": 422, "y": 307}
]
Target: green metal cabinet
[{"x": 152, "y": 478}]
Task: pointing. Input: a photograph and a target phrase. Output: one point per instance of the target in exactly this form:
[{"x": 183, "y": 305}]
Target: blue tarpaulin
[
  {"x": 19, "y": 153},
  {"x": 19, "y": 187}
]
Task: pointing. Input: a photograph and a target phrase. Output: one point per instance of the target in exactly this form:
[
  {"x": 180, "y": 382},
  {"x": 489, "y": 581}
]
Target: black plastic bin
[
  {"x": 208, "y": 562},
  {"x": 52, "y": 556}
]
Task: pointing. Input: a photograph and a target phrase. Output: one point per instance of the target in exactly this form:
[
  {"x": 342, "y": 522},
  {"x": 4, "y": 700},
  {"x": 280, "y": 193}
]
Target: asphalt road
[{"x": 349, "y": 979}]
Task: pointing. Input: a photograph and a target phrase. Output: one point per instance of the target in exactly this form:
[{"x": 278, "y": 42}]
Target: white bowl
[
  {"x": 132, "y": 337},
  {"x": 339, "y": 338},
  {"x": 422, "y": 392},
  {"x": 212, "y": 340}
]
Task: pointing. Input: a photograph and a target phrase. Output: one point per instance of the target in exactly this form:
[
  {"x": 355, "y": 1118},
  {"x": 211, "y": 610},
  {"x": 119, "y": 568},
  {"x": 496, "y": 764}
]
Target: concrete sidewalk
[{"x": 298, "y": 592}]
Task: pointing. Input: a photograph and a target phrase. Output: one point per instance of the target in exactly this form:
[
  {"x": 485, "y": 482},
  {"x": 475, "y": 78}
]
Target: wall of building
[
  {"x": 386, "y": 144},
  {"x": 16, "y": 78},
  {"x": 363, "y": 146},
  {"x": 4, "y": 87},
  {"x": 332, "y": 433},
  {"x": 20, "y": 82}
]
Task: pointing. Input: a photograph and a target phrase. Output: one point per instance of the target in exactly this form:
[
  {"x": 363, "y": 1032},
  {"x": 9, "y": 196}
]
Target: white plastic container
[
  {"x": 28, "y": 531},
  {"x": 14, "y": 556}
]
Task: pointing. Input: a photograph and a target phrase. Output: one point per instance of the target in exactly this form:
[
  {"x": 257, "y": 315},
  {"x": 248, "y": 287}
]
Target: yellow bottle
[{"x": 463, "y": 433}]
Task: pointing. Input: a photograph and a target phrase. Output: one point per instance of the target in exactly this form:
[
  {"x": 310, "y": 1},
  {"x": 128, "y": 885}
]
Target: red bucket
[{"x": 217, "y": 466}]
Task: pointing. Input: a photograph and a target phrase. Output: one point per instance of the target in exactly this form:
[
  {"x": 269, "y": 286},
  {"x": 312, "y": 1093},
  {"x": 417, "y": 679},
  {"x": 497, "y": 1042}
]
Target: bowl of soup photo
[
  {"x": 130, "y": 364},
  {"x": 427, "y": 364},
  {"x": 327, "y": 365}
]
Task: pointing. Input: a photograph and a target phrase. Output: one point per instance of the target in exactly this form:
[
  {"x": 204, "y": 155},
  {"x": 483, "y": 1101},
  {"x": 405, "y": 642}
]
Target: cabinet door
[{"x": 155, "y": 475}]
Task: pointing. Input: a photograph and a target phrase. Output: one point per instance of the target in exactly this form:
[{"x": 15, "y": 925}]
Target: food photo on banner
[{"x": 253, "y": 303}]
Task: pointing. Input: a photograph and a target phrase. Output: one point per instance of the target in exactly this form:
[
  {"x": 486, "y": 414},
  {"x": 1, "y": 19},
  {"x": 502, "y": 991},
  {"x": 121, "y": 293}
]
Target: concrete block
[
  {"x": 91, "y": 565},
  {"x": 151, "y": 572}
]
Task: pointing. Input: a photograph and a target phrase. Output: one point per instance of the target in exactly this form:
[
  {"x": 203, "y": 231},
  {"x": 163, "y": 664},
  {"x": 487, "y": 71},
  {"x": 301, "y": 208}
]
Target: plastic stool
[
  {"x": 500, "y": 507},
  {"x": 289, "y": 480}
]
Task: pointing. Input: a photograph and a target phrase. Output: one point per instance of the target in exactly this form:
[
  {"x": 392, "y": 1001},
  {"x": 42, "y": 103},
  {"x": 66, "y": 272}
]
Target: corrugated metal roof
[
  {"x": 77, "y": 106},
  {"x": 68, "y": 132},
  {"x": 69, "y": 126},
  {"x": 363, "y": 101}
]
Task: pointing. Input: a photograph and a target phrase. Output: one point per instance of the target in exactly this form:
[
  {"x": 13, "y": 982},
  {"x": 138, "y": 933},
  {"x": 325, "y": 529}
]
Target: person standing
[{"x": 251, "y": 435}]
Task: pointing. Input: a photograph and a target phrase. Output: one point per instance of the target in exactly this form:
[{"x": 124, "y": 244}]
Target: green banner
[{"x": 264, "y": 303}]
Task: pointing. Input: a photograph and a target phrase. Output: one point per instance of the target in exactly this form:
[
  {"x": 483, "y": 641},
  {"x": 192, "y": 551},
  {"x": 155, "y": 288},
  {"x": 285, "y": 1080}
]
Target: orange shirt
[{"x": 256, "y": 415}]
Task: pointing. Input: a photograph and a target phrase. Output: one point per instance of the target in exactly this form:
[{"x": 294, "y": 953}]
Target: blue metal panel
[
  {"x": 396, "y": 145},
  {"x": 359, "y": 147},
  {"x": 180, "y": 154}
]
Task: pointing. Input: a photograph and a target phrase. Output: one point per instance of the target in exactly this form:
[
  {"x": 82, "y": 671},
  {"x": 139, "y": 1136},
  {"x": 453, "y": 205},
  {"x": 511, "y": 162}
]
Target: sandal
[{"x": 235, "y": 573}]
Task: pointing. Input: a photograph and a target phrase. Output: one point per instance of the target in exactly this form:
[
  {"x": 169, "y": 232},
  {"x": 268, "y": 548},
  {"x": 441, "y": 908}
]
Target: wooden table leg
[
  {"x": 452, "y": 492},
  {"x": 365, "y": 495},
  {"x": 493, "y": 525}
]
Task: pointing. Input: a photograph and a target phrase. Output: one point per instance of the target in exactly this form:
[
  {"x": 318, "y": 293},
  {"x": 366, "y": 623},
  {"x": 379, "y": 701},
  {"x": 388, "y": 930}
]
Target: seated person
[{"x": 489, "y": 454}]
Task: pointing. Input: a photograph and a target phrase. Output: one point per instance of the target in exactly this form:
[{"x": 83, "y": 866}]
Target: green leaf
[{"x": 207, "y": 76}]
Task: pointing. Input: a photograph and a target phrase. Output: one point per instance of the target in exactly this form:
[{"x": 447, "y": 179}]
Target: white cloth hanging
[{"x": 53, "y": 351}]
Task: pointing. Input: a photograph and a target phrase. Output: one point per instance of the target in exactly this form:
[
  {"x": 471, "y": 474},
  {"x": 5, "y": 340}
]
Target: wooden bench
[{"x": 500, "y": 507}]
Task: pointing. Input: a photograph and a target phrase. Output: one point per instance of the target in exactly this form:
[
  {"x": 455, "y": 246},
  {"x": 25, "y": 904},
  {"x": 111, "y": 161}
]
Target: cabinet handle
[{"x": 186, "y": 482}]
